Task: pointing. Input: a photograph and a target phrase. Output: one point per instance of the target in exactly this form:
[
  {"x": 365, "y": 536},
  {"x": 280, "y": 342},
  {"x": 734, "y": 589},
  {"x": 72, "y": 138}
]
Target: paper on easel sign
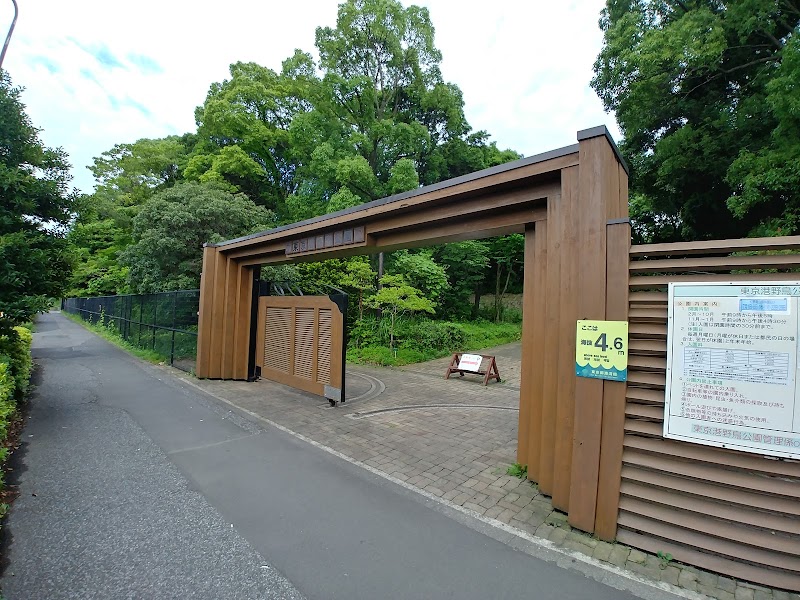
[{"x": 470, "y": 362}]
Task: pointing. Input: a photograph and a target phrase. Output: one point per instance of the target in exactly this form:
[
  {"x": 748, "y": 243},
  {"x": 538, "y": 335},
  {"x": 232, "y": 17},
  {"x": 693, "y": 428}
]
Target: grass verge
[
  {"x": 475, "y": 335},
  {"x": 111, "y": 335}
]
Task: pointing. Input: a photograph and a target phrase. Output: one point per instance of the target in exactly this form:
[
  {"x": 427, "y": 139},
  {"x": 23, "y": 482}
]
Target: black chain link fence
[{"x": 165, "y": 323}]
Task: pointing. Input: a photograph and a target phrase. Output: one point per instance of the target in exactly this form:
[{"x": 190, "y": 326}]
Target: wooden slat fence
[{"x": 722, "y": 510}]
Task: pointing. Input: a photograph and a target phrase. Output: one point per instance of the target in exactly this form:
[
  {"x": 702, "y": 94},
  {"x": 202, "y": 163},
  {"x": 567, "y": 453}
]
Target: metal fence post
[
  {"x": 155, "y": 313},
  {"x": 172, "y": 349}
]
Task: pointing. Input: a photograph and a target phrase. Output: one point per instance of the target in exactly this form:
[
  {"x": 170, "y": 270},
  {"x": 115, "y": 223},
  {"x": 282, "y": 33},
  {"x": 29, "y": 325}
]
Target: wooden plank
[
  {"x": 536, "y": 174},
  {"x": 479, "y": 206},
  {"x": 539, "y": 327},
  {"x": 646, "y": 428},
  {"x": 647, "y": 379},
  {"x": 550, "y": 358},
  {"x": 598, "y": 188},
  {"x": 217, "y": 317},
  {"x": 229, "y": 319},
  {"x": 711, "y": 526},
  {"x": 648, "y": 315},
  {"x": 716, "y": 456},
  {"x": 613, "y": 425},
  {"x": 243, "y": 324},
  {"x": 656, "y": 364},
  {"x": 452, "y": 230},
  {"x": 658, "y": 281},
  {"x": 712, "y": 562},
  {"x": 527, "y": 348},
  {"x": 261, "y": 331},
  {"x": 645, "y": 395},
  {"x": 648, "y": 298},
  {"x": 315, "y": 357},
  {"x": 713, "y": 508},
  {"x": 745, "y": 497},
  {"x": 717, "y": 246},
  {"x": 643, "y": 347},
  {"x": 649, "y": 331},
  {"x": 645, "y": 411},
  {"x": 716, "y": 263},
  {"x": 699, "y": 539},
  {"x": 568, "y": 300},
  {"x": 337, "y": 341},
  {"x": 205, "y": 311},
  {"x": 713, "y": 474}
]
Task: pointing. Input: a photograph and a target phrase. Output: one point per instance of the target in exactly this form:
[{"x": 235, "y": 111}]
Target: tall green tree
[
  {"x": 34, "y": 261},
  {"x": 170, "y": 229},
  {"x": 699, "y": 91}
]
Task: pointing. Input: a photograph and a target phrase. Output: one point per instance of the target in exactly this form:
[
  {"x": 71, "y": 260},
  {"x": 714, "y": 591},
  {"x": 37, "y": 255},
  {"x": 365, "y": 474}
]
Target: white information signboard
[
  {"x": 470, "y": 362},
  {"x": 732, "y": 370}
]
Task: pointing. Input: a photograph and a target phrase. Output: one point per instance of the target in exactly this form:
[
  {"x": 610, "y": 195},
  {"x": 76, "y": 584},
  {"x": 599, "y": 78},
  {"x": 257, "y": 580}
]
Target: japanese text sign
[
  {"x": 601, "y": 350},
  {"x": 732, "y": 366},
  {"x": 470, "y": 362}
]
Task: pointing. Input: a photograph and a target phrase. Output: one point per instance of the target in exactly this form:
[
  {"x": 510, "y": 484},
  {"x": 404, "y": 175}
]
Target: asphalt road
[{"x": 135, "y": 485}]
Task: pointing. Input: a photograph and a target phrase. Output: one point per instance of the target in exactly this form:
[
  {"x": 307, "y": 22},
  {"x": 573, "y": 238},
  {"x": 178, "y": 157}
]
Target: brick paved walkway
[{"x": 454, "y": 439}]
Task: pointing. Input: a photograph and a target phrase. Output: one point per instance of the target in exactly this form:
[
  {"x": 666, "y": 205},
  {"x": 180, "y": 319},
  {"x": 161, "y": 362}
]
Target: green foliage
[
  {"x": 665, "y": 558},
  {"x": 507, "y": 255},
  {"x": 360, "y": 277},
  {"x": 8, "y": 403},
  {"x": 706, "y": 96},
  {"x": 420, "y": 271},
  {"x": 15, "y": 352},
  {"x": 466, "y": 265},
  {"x": 395, "y": 297},
  {"x": 419, "y": 339},
  {"x": 370, "y": 118},
  {"x": 106, "y": 329},
  {"x": 171, "y": 228},
  {"x": 34, "y": 262},
  {"x": 518, "y": 470},
  {"x": 96, "y": 246},
  {"x": 129, "y": 174}
]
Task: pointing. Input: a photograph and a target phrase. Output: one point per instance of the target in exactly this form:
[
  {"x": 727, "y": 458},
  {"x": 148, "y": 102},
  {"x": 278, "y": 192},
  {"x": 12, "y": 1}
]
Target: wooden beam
[
  {"x": 527, "y": 175},
  {"x": 202, "y": 362},
  {"x": 550, "y": 355},
  {"x": 528, "y": 348},
  {"x": 568, "y": 301},
  {"x": 598, "y": 199}
]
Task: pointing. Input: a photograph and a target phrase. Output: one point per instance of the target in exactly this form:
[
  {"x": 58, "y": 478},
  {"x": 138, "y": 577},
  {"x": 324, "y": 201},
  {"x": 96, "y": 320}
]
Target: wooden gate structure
[
  {"x": 300, "y": 343},
  {"x": 594, "y": 446}
]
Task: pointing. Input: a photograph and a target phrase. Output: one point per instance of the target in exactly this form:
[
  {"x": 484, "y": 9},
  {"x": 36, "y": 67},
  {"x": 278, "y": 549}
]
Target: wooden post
[
  {"x": 528, "y": 349},
  {"x": 203, "y": 360},
  {"x": 568, "y": 301},
  {"x": 614, "y": 392},
  {"x": 598, "y": 201}
]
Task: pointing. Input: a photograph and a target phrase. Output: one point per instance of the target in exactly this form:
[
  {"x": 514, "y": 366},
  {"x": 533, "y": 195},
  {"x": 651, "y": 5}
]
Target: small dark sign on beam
[{"x": 331, "y": 239}]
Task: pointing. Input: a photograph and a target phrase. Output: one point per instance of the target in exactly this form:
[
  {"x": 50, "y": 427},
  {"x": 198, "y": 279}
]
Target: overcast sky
[{"x": 102, "y": 72}]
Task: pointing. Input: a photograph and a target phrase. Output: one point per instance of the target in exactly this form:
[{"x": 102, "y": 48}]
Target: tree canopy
[
  {"x": 705, "y": 93},
  {"x": 34, "y": 262},
  {"x": 171, "y": 228}
]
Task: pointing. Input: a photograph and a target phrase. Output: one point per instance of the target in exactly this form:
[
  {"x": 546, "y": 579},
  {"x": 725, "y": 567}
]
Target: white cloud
[{"x": 98, "y": 73}]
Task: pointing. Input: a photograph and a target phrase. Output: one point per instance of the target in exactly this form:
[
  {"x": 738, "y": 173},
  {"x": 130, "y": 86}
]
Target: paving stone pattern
[{"x": 454, "y": 439}]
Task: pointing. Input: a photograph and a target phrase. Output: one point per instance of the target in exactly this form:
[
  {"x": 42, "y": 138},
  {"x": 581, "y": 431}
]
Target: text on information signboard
[{"x": 732, "y": 366}]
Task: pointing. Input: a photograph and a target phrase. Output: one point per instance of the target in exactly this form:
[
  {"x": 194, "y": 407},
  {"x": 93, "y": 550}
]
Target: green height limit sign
[{"x": 601, "y": 350}]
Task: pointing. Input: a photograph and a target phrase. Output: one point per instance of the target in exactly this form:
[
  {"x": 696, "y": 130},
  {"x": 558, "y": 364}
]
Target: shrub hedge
[
  {"x": 15, "y": 375},
  {"x": 15, "y": 352}
]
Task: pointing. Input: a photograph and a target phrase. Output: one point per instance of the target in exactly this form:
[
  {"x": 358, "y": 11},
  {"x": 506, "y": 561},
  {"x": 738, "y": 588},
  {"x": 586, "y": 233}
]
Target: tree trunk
[
  {"x": 497, "y": 304},
  {"x": 476, "y": 306}
]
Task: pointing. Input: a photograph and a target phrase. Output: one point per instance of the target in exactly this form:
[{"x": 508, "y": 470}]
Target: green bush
[
  {"x": 7, "y": 403},
  {"x": 427, "y": 335},
  {"x": 419, "y": 339},
  {"x": 15, "y": 351}
]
